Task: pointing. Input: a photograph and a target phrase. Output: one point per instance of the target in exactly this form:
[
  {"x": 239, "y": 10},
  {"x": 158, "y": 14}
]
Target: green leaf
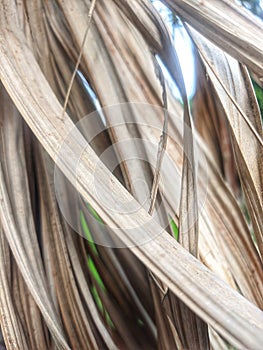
[
  {"x": 175, "y": 229},
  {"x": 259, "y": 94},
  {"x": 87, "y": 232},
  {"x": 95, "y": 273}
]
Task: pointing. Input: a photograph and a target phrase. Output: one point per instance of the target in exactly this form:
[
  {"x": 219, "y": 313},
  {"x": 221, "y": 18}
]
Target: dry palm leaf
[
  {"x": 188, "y": 224},
  {"x": 11, "y": 325},
  {"x": 21, "y": 233},
  {"x": 247, "y": 149},
  {"x": 158, "y": 39},
  {"x": 39, "y": 106},
  {"x": 184, "y": 275},
  {"x": 212, "y": 126},
  {"x": 228, "y": 25},
  {"x": 125, "y": 80},
  {"x": 100, "y": 142},
  {"x": 59, "y": 282},
  {"x": 225, "y": 242}
]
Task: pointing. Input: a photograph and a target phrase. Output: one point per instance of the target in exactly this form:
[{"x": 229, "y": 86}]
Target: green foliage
[
  {"x": 174, "y": 229},
  {"x": 94, "y": 213},
  {"x": 92, "y": 267},
  {"x": 259, "y": 94},
  {"x": 95, "y": 273},
  {"x": 100, "y": 306},
  {"x": 87, "y": 233}
]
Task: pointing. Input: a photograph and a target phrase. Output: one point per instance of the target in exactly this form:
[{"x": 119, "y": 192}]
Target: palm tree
[{"x": 183, "y": 270}]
